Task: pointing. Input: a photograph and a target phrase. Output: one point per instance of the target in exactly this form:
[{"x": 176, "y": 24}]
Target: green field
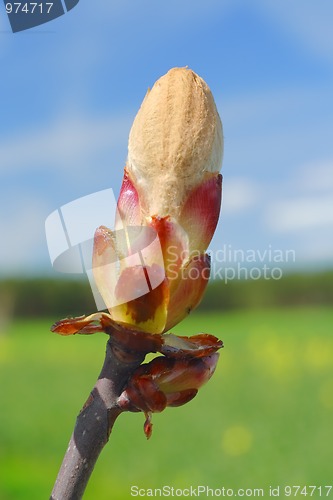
[{"x": 265, "y": 418}]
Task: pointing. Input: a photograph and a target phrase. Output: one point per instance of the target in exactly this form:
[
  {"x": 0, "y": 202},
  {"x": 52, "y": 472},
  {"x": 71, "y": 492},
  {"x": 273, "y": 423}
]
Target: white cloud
[
  {"x": 68, "y": 141},
  {"x": 275, "y": 106},
  {"x": 69, "y": 146},
  {"x": 316, "y": 250},
  {"x": 310, "y": 22},
  {"x": 23, "y": 241},
  {"x": 316, "y": 177},
  {"x": 301, "y": 214},
  {"x": 239, "y": 194},
  {"x": 311, "y": 207}
]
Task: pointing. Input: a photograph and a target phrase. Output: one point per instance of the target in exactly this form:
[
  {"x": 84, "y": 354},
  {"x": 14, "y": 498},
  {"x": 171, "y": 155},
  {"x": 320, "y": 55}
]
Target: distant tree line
[
  {"x": 60, "y": 298},
  {"x": 292, "y": 290}
]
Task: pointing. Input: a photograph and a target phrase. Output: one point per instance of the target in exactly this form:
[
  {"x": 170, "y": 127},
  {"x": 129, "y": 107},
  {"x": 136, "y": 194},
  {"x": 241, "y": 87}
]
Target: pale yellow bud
[{"x": 175, "y": 141}]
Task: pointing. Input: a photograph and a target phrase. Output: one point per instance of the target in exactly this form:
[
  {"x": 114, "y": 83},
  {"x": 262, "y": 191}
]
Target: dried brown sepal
[
  {"x": 83, "y": 325},
  {"x": 197, "y": 346},
  {"x": 129, "y": 339}
]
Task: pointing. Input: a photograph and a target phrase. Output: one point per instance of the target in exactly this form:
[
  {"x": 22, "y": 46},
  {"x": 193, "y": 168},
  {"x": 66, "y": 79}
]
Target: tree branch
[{"x": 95, "y": 422}]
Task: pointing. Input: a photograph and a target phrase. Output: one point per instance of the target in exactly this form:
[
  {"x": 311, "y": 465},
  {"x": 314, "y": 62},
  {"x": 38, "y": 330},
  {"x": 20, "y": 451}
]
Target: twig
[{"x": 95, "y": 422}]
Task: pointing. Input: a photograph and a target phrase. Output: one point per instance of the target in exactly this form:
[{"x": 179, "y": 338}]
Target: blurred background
[{"x": 69, "y": 91}]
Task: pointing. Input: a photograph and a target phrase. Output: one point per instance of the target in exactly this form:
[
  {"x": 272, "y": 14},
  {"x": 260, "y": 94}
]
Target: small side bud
[{"x": 165, "y": 382}]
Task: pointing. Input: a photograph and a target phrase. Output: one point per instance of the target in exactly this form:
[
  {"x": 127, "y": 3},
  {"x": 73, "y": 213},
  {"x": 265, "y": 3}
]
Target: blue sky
[{"x": 69, "y": 91}]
